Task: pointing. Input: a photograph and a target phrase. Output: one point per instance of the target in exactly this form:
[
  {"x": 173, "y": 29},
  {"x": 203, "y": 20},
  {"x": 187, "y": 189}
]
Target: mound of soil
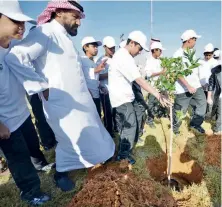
[
  {"x": 115, "y": 185},
  {"x": 213, "y": 150}
]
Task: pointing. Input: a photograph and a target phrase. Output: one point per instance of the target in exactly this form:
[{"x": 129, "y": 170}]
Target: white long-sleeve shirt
[
  {"x": 13, "y": 106},
  {"x": 104, "y": 82},
  {"x": 204, "y": 70},
  {"x": 153, "y": 65},
  {"x": 92, "y": 78}
]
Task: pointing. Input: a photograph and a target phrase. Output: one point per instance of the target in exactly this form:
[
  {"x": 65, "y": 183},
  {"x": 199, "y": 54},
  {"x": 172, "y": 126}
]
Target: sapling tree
[{"x": 174, "y": 69}]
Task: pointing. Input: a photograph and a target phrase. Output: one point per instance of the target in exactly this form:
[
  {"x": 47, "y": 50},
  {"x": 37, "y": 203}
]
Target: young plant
[{"x": 176, "y": 68}]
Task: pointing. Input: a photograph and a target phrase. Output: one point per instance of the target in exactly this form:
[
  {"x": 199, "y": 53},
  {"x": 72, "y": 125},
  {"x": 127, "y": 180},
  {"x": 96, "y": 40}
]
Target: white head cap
[
  {"x": 209, "y": 48},
  {"x": 188, "y": 34},
  {"x": 12, "y": 9},
  {"x": 87, "y": 40},
  {"x": 109, "y": 42},
  {"x": 156, "y": 45},
  {"x": 140, "y": 38}
]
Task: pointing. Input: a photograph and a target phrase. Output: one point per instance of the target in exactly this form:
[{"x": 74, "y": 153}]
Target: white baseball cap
[
  {"x": 87, "y": 40},
  {"x": 188, "y": 34},
  {"x": 109, "y": 42},
  {"x": 140, "y": 38},
  {"x": 123, "y": 43},
  {"x": 156, "y": 45},
  {"x": 12, "y": 9},
  {"x": 209, "y": 48}
]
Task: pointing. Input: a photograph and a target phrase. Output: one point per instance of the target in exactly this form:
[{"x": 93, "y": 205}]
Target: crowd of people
[{"x": 79, "y": 102}]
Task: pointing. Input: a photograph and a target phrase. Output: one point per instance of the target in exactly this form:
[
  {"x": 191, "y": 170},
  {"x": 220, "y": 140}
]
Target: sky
[{"x": 170, "y": 20}]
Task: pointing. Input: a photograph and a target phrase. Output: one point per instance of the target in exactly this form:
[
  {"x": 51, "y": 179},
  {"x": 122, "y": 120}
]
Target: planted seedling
[{"x": 174, "y": 69}]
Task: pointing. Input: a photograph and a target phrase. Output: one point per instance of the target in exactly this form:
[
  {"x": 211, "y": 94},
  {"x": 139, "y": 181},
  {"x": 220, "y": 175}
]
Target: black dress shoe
[{"x": 63, "y": 181}]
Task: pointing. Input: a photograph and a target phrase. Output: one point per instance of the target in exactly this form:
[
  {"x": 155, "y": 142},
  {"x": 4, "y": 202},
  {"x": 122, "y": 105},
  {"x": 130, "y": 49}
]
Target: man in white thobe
[{"x": 47, "y": 53}]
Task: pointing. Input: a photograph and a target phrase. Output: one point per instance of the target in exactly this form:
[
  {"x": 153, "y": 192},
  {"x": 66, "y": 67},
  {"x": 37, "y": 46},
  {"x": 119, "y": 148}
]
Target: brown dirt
[
  {"x": 115, "y": 185},
  {"x": 213, "y": 150},
  {"x": 184, "y": 169}
]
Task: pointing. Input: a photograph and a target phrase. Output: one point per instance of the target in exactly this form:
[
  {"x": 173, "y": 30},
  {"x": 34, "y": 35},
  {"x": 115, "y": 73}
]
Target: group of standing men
[{"x": 71, "y": 89}]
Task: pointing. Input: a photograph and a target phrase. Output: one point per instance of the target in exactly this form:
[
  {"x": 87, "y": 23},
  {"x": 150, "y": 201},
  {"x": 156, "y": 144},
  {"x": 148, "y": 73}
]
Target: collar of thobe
[{"x": 59, "y": 27}]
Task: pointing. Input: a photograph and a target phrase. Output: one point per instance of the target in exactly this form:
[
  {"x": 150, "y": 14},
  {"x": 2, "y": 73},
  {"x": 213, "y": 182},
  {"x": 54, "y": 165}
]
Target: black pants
[
  {"x": 198, "y": 103},
  {"x": 208, "y": 108},
  {"x": 128, "y": 128},
  {"x": 216, "y": 111},
  {"x": 98, "y": 106},
  {"x": 107, "y": 111},
  {"x": 45, "y": 132},
  {"x": 115, "y": 127},
  {"x": 23, "y": 144},
  {"x": 140, "y": 112},
  {"x": 152, "y": 101}
]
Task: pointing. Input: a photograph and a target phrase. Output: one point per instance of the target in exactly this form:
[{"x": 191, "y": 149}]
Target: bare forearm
[
  {"x": 184, "y": 82},
  {"x": 147, "y": 87},
  {"x": 156, "y": 74},
  {"x": 209, "y": 94},
  {"x": 96, "y": 70}
]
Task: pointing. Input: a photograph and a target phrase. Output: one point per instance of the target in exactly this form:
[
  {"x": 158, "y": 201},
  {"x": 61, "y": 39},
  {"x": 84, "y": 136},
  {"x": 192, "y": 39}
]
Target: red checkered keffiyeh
[{"x": 45, "y": 16}]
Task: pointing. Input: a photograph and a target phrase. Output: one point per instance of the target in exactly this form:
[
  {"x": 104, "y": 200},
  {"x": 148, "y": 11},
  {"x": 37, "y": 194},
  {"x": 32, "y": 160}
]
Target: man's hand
[
  {"x": 46, "y": 94},
  {"x": 191, "y": 89},
  {"x": 164, "y": 101},
  {"x": 164, "y": 70},
  {"x": 209, "y": 101},
  {"x": 101, "y": 66},
  {"x": 103, "y": 90},
  {"x": 4, "y": 132},
  {"x": 183, "y": 81}
]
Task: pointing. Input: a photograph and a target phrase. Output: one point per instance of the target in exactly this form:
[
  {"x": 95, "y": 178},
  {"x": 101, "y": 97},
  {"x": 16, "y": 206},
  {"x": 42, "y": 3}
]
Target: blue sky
[{"x": 170, "y": 18}]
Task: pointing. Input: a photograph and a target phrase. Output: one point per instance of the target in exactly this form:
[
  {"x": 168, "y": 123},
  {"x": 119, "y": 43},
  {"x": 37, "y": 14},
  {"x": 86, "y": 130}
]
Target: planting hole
[{"x": 185, "y": 171}]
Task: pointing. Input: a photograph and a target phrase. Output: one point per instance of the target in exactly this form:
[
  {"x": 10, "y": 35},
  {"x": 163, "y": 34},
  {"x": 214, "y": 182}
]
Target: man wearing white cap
[
  {"x": 48, "y": 54},
  {"x": 90, "y": 69},
  {"x": 109, "y": 45},
  {"x": 18, "y": 138},
  {"x": 188, "y": 89},
  {"x": 153, "y": 69},
  {"x": 140, "y": 105},
  {"x": 122, "y": 72},
  {"x": 206, "y": 65}
]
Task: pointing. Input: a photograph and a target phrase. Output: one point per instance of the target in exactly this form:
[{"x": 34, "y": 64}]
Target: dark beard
[{"x": 73, "y": 30}]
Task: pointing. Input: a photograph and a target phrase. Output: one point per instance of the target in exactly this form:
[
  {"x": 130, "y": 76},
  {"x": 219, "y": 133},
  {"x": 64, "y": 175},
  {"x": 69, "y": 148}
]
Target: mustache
[{"x": 74, "y": 27}]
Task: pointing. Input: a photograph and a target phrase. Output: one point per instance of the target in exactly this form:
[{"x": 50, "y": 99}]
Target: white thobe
[{"x": 47, "y": 53}]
